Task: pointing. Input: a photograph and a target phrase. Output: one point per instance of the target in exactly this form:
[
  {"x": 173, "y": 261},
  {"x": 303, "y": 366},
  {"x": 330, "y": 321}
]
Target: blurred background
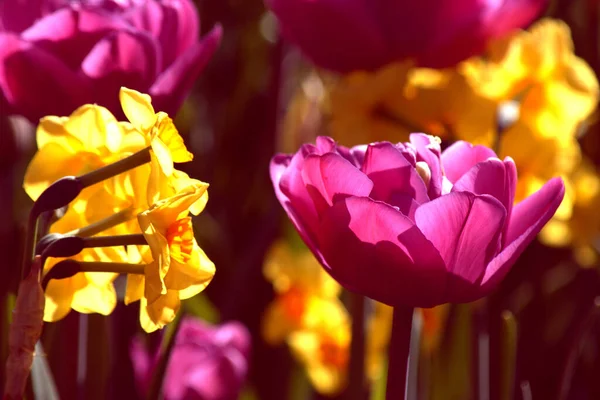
[{"x": 259, "y": 95}]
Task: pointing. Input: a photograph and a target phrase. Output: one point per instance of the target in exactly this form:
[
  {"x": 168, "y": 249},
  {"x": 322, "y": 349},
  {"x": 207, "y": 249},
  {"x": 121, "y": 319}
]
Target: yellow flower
[
  {"x": 299, "y": 281},
  {"x": 87, "y": 292},
  {"x": 157, "y": 128},
  {"x": 178, "y": 268},
  {"x": 389, "y": 104},
  {"x": 323, "y": 346},
  {"x": 88, "y": 139},
  {"x": 581, "y": 227}
]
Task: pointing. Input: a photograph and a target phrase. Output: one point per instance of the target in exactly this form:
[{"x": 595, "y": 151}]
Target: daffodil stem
[
  {"x": 357, "y": 386},
  {"x": 399, "y": 353},
  {"x": 104, "y": 224},
  {"x": 120, "y": 268},
  {"x": 116, "y": 168},
  {"x": 120, "y": 240}
]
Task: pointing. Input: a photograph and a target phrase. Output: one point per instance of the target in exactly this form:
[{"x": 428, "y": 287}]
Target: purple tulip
[
  {"x": 206, "y": 363},
  {"x": 406, "y": 224},
  {"x": 367, "y": 34},
  {"x": 56, "y": 55}
]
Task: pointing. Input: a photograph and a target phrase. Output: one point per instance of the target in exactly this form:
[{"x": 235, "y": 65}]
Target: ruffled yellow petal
[
  {"x": 51, "y": 129},
  {"x": 134, "y": 290},
  {"x": 93, "y": 298},
  {"x": 163, "y": 155},
  {"x": 192, "y": 276},
  {"x": 49, "y": 164},
  {"x": 96, "y": 127},
  {"x": 59, "y": 295},
  {"x": 156, "y": 315},
  {"x": 169, "y": 135},
  {"x": 137, "y": 108}
]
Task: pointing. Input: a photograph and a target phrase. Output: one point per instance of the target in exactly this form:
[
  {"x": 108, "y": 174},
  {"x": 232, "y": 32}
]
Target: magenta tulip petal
[
  {"x": 70, "y": 34},
  {"x": 428, "y": 151},
  {"x": 511, "y": 14},
  {"x": 355, "y": 35},
  {"x": 131, "y": 57},
  {"x": 486, "y": 177},
  {"x": 466, "y": 229},
  {"x": 332, "y": 45},
  {"x": 510, "y": 190},
  {"x": 25, "y": 69},
  {"x": 324, "y": 145},
  {"x": 331, "y": 178},
  {"x": 174, "y": 24},
  {"x": 16, "y": 16},
  {"x": 461, "y": 157},
  {"x": 295, "y": 200},
  {"x": 392, "y": 175},
  {"x": 206, "y": 362},
  {"x": 534, "y": 208},
  {"x": 374, "y": 250},
  {"x": 172, "y": 86},
  {"x": 528, "y": 218}
]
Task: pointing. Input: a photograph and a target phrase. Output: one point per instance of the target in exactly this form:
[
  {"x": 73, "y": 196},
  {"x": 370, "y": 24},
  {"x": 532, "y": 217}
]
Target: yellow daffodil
[
  {"x": 323, "y": 346},
  {"x": 86, "y": 292},
  {"x": 299, "y": 282},
  {"x": 88, "y": 139},
  {"x": 157, "y": 128},
  {"x": 176, "y": 267}
]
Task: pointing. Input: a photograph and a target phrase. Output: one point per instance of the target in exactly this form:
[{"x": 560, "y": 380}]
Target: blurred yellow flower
[
  {"x": 176, "y": 267},
  {"x": 300, "y": 283},
  {"x": 157, "y": 128},
  {"x": 86, "y": 292},
  {"x": 554, "y": 91},
  {"x": 322, "y": 345}
]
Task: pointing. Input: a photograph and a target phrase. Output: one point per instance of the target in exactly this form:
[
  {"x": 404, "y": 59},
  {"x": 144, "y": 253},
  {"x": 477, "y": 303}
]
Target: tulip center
[
  {"x": 180, "y": 237},
  {"x": 333, "y": 353}
]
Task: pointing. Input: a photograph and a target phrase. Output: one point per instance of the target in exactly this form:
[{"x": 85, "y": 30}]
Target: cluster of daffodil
[
  {"x": 133, "y": 218},
  {"x": 309, "y": 316},
  {"x": 529, "y": 97}
]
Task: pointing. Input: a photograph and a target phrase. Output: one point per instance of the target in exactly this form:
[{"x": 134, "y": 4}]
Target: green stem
[
  {"x": 399, "y": 352},
  {"x": 357, "y": 387},
  {"x": 120, "y": 240},
  {"x": 104, "y": 224},
  {"x": 110, "y": 170}
]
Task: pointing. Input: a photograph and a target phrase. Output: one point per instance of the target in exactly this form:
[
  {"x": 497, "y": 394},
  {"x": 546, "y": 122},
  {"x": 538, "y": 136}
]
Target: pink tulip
[
  {"x": 406, "y": 224},
  {"x": 56, "y": 55},
  {"x": 367, "y": 34},
  {"x": 206, "y": 363}
]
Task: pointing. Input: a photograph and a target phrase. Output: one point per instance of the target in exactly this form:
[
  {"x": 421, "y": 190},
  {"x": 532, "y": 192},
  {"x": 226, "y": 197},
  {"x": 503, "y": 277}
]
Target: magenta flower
[
  {"x": 56, "y": 55},
  {"x": 367, "y": 34},
  {"x": 406, "y": 224},
  {"x": 206, "y": 363}
]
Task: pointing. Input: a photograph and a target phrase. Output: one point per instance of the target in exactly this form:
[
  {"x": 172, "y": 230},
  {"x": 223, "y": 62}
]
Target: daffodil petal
[{"x": 138, "y": 109}]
